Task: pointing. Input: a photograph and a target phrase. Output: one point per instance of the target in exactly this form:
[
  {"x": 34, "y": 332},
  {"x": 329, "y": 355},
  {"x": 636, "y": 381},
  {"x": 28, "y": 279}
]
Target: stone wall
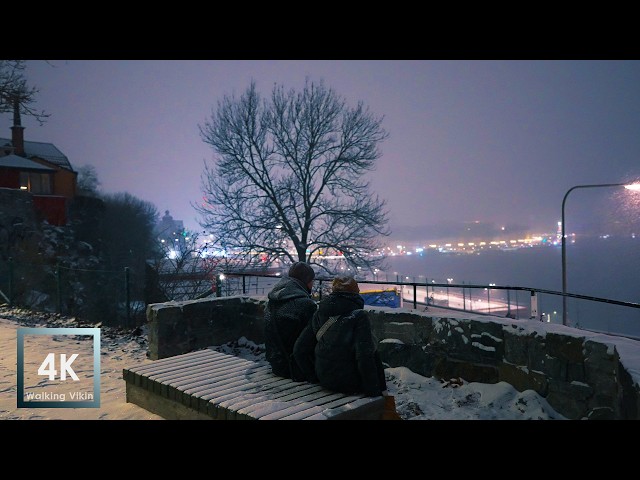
[
  {"x": 581, "y": 374},
  {"x": 181, "y": 327}
]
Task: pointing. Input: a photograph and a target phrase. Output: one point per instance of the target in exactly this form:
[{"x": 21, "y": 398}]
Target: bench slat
[
  {"x": 304, "y": 414},
  {"x": 201, "y": 382},
  {"x": 215, "y": 385},
  {"x": 316, "y": 400}
]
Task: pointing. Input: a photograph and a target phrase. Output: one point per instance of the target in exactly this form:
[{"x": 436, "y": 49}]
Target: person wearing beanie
[
  {"x": 288, "y": 311},
  {"x": 338, "y": 350}
]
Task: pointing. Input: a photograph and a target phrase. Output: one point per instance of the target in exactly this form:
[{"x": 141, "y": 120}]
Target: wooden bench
[{"x": 207, "y": 384}]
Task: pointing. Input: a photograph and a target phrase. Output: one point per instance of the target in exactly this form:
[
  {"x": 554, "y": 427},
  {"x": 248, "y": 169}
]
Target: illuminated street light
[{"x": 629, "y": 186}]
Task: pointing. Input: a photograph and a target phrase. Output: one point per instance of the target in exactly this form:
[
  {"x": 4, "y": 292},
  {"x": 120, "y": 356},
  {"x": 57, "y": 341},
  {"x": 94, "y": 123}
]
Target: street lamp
[{"x": 628, "y": 186}]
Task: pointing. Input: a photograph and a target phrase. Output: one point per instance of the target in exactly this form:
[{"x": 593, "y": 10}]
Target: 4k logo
[
  {"x": 58, "y": 367},
  {"x": 48, "y": 367}
]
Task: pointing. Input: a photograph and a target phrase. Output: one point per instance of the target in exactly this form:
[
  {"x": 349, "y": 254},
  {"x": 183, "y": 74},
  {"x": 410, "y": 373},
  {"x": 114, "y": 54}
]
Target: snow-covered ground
[
  {"x": 417, "y": 397},
  {"x": 119, "y": 349}
]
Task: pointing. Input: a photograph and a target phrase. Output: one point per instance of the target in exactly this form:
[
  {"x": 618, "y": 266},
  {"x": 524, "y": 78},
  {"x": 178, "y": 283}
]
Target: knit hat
[
  {"x": 344, "y": 283},
  {"x": 302, "y": 271}
]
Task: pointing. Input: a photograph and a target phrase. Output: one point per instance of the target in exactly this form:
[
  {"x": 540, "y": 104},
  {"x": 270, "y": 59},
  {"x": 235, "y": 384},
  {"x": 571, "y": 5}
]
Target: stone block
[
  {"x": 447, "y": 368},
  {"x": 538, "y": 356},
  {"x": 516, "y": 348},
  {"x": 523, "y": 379},
  {"x": 570, "y": 399},
  {"x": 600, "y": 413},
  {"x": 410, "y": 356},
  {"x": 576, "y": 372},
  {"x": 452, "y": 337},
  {"x": 629, "y": 398},
  {"x": 403, "y": 331},
  {"x": 565, "y": 347},
  {"x": 487, "y": 341}
]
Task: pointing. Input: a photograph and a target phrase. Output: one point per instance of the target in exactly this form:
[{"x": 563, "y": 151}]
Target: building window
[{"x": 39, "y": 183}]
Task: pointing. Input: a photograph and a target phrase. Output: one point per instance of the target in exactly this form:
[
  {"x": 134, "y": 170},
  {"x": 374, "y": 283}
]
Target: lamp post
[{"x": 632, "y": 186}]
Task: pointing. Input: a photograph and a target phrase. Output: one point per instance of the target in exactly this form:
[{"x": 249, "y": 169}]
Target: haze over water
[{"x": 598, "y": 267}]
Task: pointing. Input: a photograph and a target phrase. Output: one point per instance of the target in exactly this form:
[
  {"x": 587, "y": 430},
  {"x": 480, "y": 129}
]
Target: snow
[
  {"x": 417, "y": 397},
  {"x": 422, "y": 398},
  {"x": 428, "y": 398},
  {"x": 119, "y": 349},
  {"x": 486, "y": 334},
  {"x": 486, "y": 348}
]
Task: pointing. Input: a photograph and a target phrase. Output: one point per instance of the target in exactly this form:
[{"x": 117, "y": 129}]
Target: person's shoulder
[
  {"x": 308, "y": 302},
  {"x": 360, "y": 314}
]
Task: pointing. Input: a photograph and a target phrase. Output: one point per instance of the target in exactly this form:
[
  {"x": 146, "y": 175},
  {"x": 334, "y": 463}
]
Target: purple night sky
[{"x": 494, "y": 141}]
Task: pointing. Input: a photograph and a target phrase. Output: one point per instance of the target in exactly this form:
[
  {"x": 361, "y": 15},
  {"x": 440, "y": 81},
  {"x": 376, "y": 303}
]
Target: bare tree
[
  {"x": 287, "y": 180},
  {"x": 184, "y": 270},
  {"x": 15, "y": 92},
  {"x": 88, "y": 182}
]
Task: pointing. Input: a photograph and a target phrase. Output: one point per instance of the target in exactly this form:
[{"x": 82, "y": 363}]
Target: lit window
[{"x": 35, "y": 182}]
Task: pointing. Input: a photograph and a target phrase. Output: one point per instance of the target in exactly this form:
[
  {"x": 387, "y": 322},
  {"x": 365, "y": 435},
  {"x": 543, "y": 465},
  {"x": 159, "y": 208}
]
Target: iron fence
[
  {"x": 110, "y": 297},
  {"x": 521, "y": 303}
]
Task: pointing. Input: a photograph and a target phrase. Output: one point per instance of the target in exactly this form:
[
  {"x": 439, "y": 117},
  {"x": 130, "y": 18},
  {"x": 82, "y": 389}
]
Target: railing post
[
  {"x": 10, "y": 281},
  {"x": 320, "y": 291},
  {"x": 218, "y": 286},
  {"x": 464, "y": 299},
  {"x": 58, "y": 290},
  {"x": 415, "y": 296},
  {"x": 534, "y": 305},
  {"x": 127, "y": 295},
  {"x": 243, "y": 284}
]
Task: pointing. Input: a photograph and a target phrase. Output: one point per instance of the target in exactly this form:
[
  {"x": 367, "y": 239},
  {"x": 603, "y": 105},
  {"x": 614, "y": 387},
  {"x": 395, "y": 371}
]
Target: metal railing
[{"x": 514, "y": 302}]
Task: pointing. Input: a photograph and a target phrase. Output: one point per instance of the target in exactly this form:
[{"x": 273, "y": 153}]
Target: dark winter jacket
[
  {"x": 287, "y": 313},
  {"x": 345, "y": 357}
]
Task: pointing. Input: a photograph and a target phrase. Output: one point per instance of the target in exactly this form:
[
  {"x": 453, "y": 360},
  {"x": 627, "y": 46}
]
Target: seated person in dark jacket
[
  {"x": 287, "y": 313},
  {"x": 338, "y": 348}
]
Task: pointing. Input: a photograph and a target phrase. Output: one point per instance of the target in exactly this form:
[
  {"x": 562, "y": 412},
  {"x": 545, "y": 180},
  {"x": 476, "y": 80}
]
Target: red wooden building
[{"x": 39, "y": 168}]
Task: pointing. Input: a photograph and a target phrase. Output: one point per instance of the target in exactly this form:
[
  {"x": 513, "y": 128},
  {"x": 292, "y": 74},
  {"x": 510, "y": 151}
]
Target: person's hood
[
  {"x": 288, "y": 289},
  {"x": 340, "y": 303}
]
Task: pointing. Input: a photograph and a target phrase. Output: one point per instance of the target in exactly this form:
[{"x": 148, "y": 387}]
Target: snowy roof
[
  {"x": 15, "y": 161},
  {"x": 47, "y": 151}
]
